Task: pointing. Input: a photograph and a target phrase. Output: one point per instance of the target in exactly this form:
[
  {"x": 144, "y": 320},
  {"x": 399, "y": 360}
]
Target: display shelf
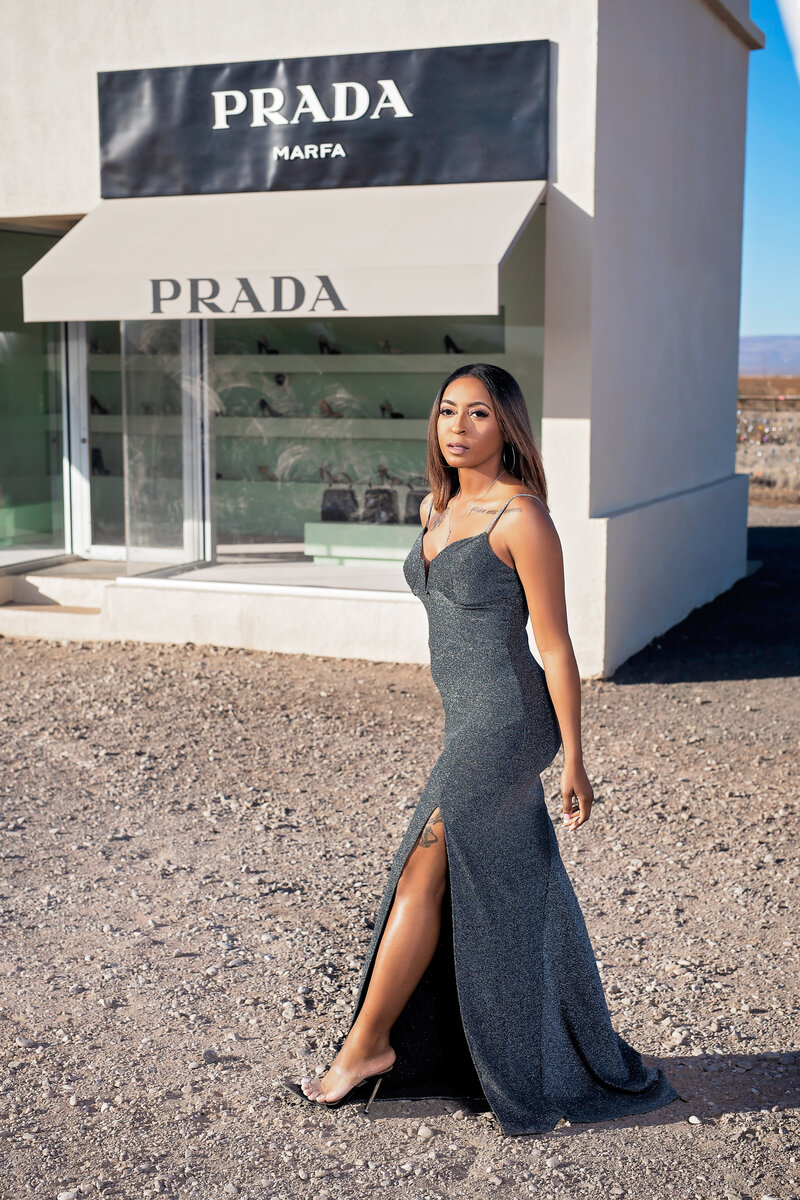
[
  {"x": 139, "y": 425},
  {"x": 146, "y": 362},
  {"x": 297, "y": 428},
  {"x": 112, "y": 423},
  {"x": 314, "y": 364},
  {"x": 351, "y": 364},
  {"x": 379, "y": 429}
]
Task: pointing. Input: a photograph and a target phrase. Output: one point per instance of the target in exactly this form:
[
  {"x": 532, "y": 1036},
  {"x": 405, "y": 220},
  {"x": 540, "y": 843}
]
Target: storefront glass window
[
  {"x": 31, "y": 447},
  {"x": 326, "y": 422},
  {"x": 162, "y": 414},
  {"x": 104, "y": 383}
]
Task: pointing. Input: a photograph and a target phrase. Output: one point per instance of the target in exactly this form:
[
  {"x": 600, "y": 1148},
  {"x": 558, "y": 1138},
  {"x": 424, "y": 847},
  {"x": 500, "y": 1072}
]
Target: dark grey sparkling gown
[{"x": 510, "y": 1014}]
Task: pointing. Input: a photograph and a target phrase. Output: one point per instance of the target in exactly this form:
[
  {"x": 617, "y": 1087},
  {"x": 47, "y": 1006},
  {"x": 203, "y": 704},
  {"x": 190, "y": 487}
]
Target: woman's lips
[{"x": 457, "y": 448}]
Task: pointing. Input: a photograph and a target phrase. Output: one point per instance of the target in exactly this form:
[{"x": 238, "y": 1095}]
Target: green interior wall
[{"x": 31, "y": 451}]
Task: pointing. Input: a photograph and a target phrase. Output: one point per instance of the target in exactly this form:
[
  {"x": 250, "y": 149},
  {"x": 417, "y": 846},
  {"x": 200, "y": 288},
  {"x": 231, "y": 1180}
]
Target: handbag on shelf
[
  {"x": 413, "y": 502},
  {"x": 380, "y": 506},
  {"x": 338, "y": 504}
]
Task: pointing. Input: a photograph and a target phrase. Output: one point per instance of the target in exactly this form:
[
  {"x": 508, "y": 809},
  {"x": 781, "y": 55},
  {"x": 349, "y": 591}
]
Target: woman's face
[{"x": 467, "y": 426}]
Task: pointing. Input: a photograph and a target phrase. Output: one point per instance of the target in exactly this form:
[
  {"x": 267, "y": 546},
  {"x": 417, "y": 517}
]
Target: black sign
[{"x": 458, "y": 114}]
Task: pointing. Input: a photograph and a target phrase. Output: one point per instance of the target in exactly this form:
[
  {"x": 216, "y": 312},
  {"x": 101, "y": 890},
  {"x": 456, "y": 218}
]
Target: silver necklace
[{"x": 451, "y": 522}]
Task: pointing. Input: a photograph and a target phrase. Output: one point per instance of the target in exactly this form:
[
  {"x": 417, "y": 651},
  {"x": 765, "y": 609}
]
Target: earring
[{"x": 513, "y": 467}]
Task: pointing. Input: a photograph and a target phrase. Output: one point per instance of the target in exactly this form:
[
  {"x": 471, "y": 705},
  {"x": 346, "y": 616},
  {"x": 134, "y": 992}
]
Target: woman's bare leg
[{"x": 407, "y": 946}]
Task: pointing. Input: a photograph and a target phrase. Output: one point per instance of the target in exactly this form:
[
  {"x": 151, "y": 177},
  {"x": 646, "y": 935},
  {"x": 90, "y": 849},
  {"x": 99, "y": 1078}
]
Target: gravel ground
[{"x": 194, "y": 843}]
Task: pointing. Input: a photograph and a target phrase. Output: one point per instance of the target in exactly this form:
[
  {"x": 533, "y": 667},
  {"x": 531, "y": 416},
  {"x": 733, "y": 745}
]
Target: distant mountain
[{"x": 769, "y": 356}]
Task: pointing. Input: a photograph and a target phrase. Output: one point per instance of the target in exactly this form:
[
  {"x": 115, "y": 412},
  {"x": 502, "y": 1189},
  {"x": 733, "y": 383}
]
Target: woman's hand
[{"x": 575, "y": 783}]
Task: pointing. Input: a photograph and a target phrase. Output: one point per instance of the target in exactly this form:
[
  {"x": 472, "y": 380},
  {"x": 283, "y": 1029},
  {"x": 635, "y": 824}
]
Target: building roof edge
[{"x": 743, "y": 27}]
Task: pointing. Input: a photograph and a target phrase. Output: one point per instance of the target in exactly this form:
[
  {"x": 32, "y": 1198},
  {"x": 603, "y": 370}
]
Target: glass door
[{"x": 164, "y": 444}]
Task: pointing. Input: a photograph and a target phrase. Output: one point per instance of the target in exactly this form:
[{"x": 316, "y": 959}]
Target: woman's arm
[{"x": 533, "y": 544}]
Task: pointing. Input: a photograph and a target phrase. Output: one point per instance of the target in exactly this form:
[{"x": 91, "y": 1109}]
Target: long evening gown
[{"x": 510, "y": 1014}]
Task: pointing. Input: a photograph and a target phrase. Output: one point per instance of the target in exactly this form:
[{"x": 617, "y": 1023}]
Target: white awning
[{"x": 379, "y": 251}]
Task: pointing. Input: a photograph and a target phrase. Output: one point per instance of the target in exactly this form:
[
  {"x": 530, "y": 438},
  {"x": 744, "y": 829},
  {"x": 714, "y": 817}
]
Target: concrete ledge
[
  {"x": 338, "y": 623},
  {"x": 52, "y": 622},
  {"x": 39, "y": 588},
  {"x": 665, "y": 559}
]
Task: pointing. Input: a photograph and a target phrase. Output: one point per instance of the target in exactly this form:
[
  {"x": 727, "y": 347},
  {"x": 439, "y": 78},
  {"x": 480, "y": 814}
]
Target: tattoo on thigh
[{"x": 428, "y": 836}]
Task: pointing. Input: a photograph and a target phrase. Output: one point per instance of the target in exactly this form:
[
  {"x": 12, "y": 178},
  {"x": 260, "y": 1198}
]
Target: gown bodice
[{"x": 480, "y": 656}]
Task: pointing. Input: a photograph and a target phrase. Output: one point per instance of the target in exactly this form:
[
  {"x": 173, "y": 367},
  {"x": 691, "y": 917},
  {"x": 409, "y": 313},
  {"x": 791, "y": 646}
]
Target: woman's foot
[{"x": 352, "y": 1064}]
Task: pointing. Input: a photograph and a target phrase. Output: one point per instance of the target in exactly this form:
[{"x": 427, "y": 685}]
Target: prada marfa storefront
[{"x": 215, "y": 385}]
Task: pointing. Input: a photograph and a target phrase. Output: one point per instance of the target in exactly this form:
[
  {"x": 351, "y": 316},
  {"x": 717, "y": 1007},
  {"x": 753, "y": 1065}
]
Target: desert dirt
[{"x": 194, "y": 842}]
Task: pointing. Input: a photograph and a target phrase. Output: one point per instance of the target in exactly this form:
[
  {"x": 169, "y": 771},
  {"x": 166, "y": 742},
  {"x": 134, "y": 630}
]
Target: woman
[{"x": 480, "y": 981}]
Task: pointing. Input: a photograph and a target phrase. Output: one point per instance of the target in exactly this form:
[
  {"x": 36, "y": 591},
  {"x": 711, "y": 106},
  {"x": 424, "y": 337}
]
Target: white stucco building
[{"x": 165, "y": 475}]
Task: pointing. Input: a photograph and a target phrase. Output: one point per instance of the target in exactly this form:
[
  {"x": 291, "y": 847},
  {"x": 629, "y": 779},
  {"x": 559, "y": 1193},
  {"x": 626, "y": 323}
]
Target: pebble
[
  {"x": 554, "y": 1161},
  {"x": 210, "y": 1056},
  {"x": 693, "y": 1120},
  {"x": 425, "y": 1132}
]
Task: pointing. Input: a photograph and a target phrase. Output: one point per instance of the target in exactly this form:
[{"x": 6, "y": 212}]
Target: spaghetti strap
[
  {"x": 496, "y": 518},
  {"x": 428, "y": 518}
]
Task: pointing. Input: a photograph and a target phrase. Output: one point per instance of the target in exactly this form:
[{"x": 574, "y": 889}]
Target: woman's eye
[{"x": 477, "y": 412}]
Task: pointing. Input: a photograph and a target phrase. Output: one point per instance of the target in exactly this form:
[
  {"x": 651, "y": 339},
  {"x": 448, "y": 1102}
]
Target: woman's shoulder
[{"x": 525, "y": 515}]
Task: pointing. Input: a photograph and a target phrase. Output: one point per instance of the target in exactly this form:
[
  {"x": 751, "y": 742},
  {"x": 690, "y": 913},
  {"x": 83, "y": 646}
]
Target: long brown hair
[{"x": 519, "y": 449}]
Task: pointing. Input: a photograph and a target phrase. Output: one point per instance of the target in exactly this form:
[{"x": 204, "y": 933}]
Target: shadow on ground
[
  {"x": 709, "y": 1085},
  {"x": 752, "y": 631}
]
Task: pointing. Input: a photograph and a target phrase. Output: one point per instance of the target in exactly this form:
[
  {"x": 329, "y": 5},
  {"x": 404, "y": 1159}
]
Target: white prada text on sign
[{"x": 269, "y": 105}]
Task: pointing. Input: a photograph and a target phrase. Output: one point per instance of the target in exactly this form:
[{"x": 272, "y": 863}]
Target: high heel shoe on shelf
[
  {"x": 297, "y": 1089},
  {"x": 266, "y": 408},
  {"x": 388, "y": 411}
]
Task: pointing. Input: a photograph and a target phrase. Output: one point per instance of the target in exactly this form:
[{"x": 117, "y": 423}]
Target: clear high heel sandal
[{"x": 297, "y": 1090}]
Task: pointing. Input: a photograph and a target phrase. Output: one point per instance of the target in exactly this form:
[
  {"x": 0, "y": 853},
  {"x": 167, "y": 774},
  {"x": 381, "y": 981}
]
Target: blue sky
[{"x": 771, "y": 238}]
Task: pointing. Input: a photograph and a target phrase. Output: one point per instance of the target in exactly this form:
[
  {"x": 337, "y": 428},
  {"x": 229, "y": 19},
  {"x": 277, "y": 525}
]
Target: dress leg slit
[{"x": 433, "y": 1057}]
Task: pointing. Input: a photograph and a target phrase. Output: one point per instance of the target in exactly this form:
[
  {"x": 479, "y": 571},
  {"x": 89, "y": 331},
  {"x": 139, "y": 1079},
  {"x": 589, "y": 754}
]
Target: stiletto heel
[{"x": 374, "y": 1090}]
